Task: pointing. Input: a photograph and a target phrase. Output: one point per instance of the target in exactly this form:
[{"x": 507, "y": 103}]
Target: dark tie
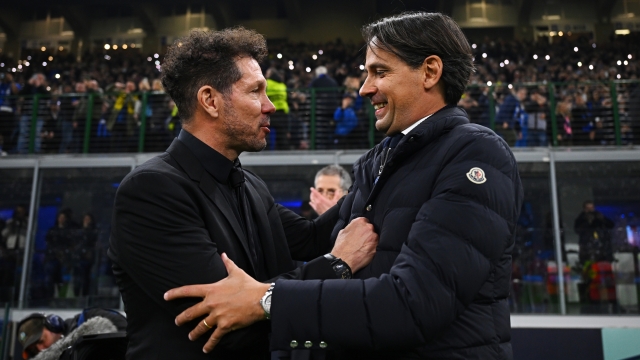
[
  {"x": 390, "y": 145},
  {"x": 236, "y": 180},
  {"x": 395, "y": 139}
]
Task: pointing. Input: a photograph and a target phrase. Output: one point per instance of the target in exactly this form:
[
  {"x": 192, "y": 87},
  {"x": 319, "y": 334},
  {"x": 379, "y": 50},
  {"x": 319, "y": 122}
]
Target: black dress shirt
[{"x": 221, "y": 168}]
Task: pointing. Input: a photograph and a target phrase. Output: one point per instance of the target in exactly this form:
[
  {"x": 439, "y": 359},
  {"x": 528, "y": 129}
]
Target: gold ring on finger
[{"x": 204, "y": 321}]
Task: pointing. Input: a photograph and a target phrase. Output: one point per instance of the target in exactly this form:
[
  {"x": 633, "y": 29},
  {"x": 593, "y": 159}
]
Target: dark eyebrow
[{"x": 375, "y": 65}]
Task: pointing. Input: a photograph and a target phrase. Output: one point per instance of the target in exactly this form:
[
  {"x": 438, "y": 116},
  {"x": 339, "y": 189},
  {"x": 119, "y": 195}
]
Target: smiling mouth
[{"x": 379, "y": 106}]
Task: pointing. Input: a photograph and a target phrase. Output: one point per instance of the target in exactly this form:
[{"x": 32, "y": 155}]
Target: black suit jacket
[{"x": 170, "y": 224}]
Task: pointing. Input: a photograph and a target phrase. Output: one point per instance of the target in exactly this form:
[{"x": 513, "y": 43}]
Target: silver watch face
[{"x": 267, "y": 303}]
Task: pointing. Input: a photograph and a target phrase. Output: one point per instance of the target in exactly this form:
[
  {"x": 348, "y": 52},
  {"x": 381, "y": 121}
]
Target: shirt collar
[
  {"x": 213, "y": 162},
  {"x": 407, "y": 130}
]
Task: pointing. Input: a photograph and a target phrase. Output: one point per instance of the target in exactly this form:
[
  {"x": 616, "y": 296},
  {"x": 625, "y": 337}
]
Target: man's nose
[
  {"x": 367, "y": 89},
  {"x": 267, "y": 106}
]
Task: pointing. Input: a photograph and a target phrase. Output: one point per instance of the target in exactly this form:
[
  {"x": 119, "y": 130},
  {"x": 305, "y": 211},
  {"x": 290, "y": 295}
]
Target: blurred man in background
[{"x": 331, "y": 184}]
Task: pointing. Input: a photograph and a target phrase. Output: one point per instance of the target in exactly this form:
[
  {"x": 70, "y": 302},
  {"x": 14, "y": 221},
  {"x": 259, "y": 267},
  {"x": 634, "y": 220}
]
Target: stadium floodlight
[
  {"x": 48, "y": 88},
  {"x": 124, "y": 46},
  {"x": 157, "y": 62},
  {"x": 1, "y": 64},
  {"x": 535, "y": 57},
  {"x": 560, "y": 33},
  {"x": 629, "y": 56},
  {"x": 156, "y": 55},
  {"x": 489, "y": 83},
  {"x": 552, "y": 33},
  {"x": 133, "y": 45},
  {"x": 510, "y": 86},
  {"x": 57, "y": 76},
  {"x": 308, "y": 69},
  {"x": 149, "y": 59},
  {"x": 26, "y": 63},
  {"x": 290, "y": 62},
  {"x": 320, "y": 52},
  {"x": 279, "y": 56},
  {"x": 547, "y": 57},
  {"x": 20, "y": 67},
  {"x": 44, "y": 63},
  {"x": 623, "y": 32},
  {"x": 474, "y": 46},
  {"x": 484, "y": 55},
  {"x": 506, "y": 62},
  {"x": 115, "y": 47},
  {"x": 590, "y": 67},
  {"x": 619, "y": 76},
  {"x": 107, "y": 57},
  {"x": 13, "y": 70},
  {"x": 61, "y": 48},
  {"x": 575, "y": 49},
  {"x": 626, "y": 63},
  {"x": 107, "y": 46},
  {"x": 361, "y": 67},
  {"x": 29, "y": 57},
  {"x": 43, "y": 48},
  {"x": 593, "y": 45},
  {"x": 291, "y": 67},
  {"x": 579, "y": 63},
  {"x": 501, "y": 64},
  {"x": 314, "y": 57},
  {"x": 50, "y": 58},
  {"x": 619, "y": 62}
]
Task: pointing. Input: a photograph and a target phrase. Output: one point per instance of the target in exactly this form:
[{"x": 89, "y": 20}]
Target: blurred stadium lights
[
  {"x": 314, "y": 57},
  {"x": 560, "y": 33},
  {"x": 361, "y": 67},
  {"x": 124, "y": 46},
  {"x": 548, "y": 57},
  {"x": 156, "y": 55},
  {"x": 623, "y": 32},
  {"x": 320, "y": 52},
  {"x": 50, "y": 58},
  {"x": 308, "y": 69},
  {"x": 474, "y": 46},
  {"x": 489, "y": 83},
  {"x": 279, "y": 56},
  {"x": 579, "y": 63},
  {"x": 535, "y": 57},
  {"x": 43, "y": 48},
  {"x": 575, "y": 49},
  {"x": 551, "y": 17},
  {"x": 115, "y": 47},
  {"x": 44, "y": 63},
  {"x": 107, "y": 46},
  {"x": 484, "y": 55}
]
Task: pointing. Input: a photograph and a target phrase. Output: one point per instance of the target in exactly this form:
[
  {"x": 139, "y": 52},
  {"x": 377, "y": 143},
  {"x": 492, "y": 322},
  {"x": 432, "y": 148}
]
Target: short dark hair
[
  {"x": 207, "y": 58},
  {"x": 336, "y": 170},
  {"x": 414, "y": 36}
]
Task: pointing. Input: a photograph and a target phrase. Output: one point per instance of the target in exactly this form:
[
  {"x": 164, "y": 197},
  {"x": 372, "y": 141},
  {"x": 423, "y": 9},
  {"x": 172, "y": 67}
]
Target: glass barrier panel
[
  {"x": 534, "y": 287},
  {"x": 599, "y": 211},
  {"x": 70, "y": 267},
  {"x": 16, "y": 187}
]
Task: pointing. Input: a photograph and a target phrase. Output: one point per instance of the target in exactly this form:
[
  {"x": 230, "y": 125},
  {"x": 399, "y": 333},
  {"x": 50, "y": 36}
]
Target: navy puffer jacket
[{"x": 445, "y": 208}]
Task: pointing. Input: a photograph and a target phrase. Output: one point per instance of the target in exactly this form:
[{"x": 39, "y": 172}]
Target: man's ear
[
  {"x": 432, "y": 70},
  {"x": 209, "y": 100}
]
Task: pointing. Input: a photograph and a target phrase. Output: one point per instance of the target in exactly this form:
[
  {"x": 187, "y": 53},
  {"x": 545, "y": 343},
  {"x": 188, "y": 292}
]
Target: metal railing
[{"x": 557, "y": 114}]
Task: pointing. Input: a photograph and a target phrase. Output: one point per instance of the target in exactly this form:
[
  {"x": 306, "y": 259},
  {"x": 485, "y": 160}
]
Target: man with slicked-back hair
[{"x": 444, "y": 196}]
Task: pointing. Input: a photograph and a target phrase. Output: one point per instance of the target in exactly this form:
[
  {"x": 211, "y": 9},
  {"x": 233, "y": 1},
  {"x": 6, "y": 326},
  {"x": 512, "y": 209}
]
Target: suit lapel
[
  {"x": 264, "y": 235},
  {"x": 208, "y": 185}
]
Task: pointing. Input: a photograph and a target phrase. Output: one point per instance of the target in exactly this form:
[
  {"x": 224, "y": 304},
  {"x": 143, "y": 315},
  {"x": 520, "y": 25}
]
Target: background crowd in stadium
[{"x": 584, "y": 110}]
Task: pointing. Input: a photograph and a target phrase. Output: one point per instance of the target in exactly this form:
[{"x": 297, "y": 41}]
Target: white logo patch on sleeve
[{"x": 476, "y": 176}]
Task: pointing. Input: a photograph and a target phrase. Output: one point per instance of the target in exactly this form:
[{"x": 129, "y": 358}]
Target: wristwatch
[
  {"x": 342, "y": 269},
  {"x": 265, "y": 302}
]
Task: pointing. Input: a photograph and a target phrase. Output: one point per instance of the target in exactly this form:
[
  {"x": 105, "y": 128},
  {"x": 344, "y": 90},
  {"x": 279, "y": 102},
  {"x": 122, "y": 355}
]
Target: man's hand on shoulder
[
  {"x": 229, "y": 304},
  {"x": 356, "y": 244}
]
